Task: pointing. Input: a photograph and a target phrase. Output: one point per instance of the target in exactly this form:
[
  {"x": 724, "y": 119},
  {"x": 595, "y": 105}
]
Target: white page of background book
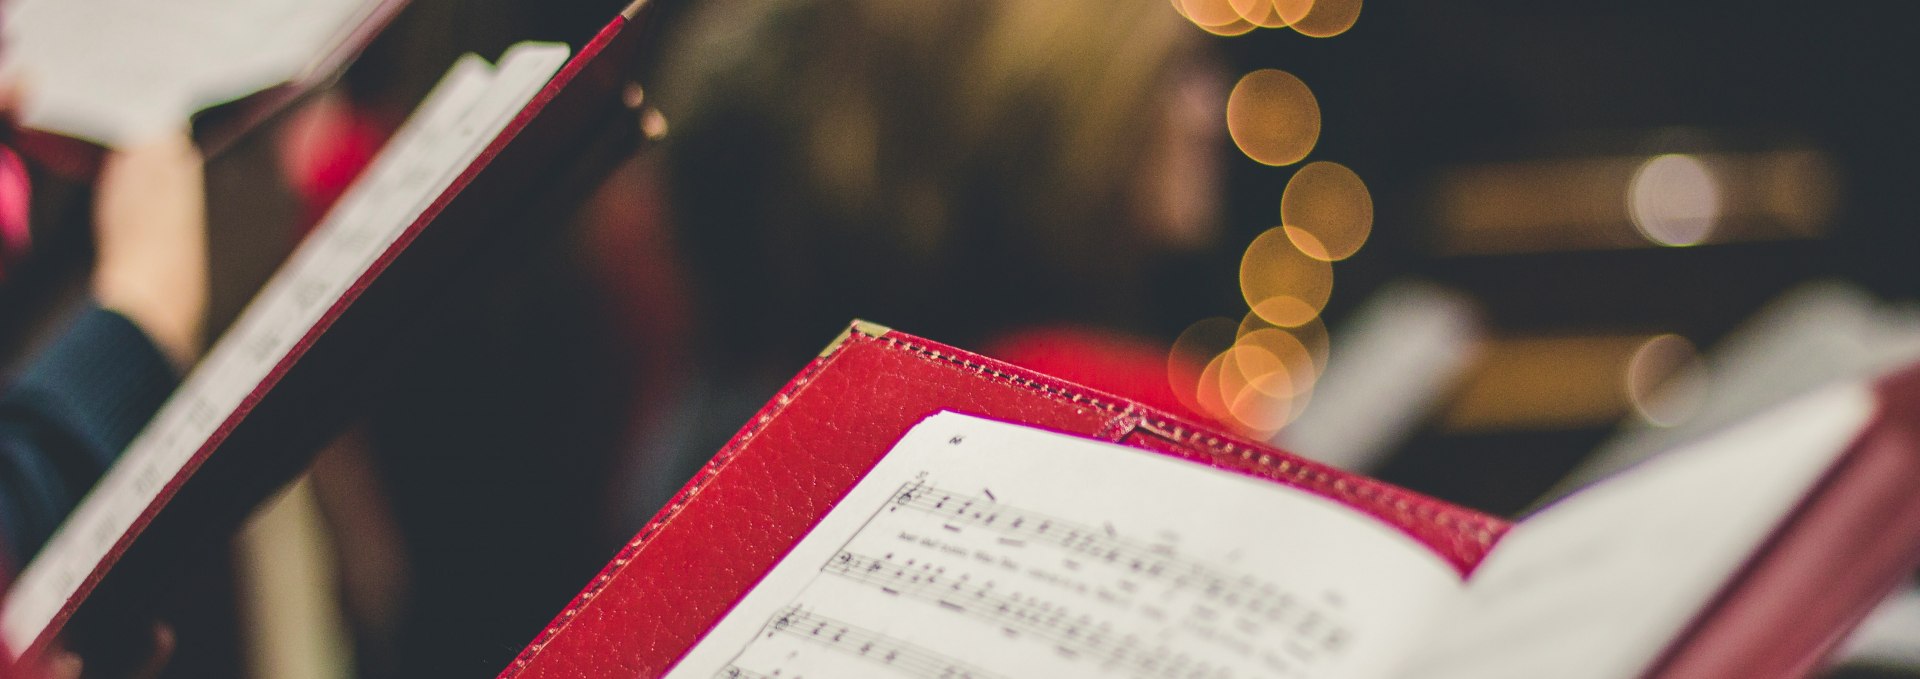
[
  {"x": 982, "y": 549},
  {"x": 465, "y": 111},
  {"x": 1813, "y": 335},
  {"x": 1597, "y": 585},
  {"x": 117, "y": 71}
]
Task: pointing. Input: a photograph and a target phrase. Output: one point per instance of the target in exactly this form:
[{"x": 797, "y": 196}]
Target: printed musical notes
[
  {"x": 1072, "y": 589},
  {"x": 978, "y": 549},
  {"x": 881, "y": 652}
]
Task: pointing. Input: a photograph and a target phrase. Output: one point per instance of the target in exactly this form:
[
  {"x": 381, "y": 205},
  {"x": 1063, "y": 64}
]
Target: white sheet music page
[
  {"x": 1597, "y": 585},
  {"x": 463, "y": 114},
  {"x": 116, "y": 71},
  {"x": 979, "y": 549}
]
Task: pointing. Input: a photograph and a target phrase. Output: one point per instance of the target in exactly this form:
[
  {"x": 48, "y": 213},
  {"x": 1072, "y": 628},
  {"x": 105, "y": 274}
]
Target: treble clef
[
  {"x": 781, "y": 623},
  {"x": 908, "y": 493}
]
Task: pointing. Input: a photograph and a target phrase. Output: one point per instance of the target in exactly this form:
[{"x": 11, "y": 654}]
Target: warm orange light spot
[
  {"x": 1273, "y": 117},
  {"x": 1308, "y": 243},
  {"x": 1291, "y": 11},
  {"x": 1196, "y": 346},
  {"x": 1208, "y": 13},
  {"x": 1286, "y": 310},
  {"x": 1260, "y": 13},
  {"x": 1328, "y": 211},
  {"x": 1265, "y": 395},
  {"x": 1312, "y": 334},
  {"x": 1207, "y": 391},
  {"x": 1328, "y": 18},
  {"x": 1233, "y": 28},
  {"x": 1282, "y": 284},
  {"x": 1277, "y": 352},
  {"x": 1236, "y": 364},
  {"x": 1259, "y": 412}
]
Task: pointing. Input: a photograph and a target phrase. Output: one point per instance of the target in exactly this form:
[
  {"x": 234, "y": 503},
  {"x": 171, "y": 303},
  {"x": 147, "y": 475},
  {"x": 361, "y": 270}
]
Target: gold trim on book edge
[{"x": 867, "y": 328}]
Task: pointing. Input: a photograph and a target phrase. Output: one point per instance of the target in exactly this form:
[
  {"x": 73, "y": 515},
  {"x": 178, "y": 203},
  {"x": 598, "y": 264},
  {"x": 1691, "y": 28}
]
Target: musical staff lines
[
  {"x": 930, "y": 575},
  {"x": 1071, "y": 634},
  {"x": 1019, "y": 527},
  {"x": 890, "y": 653}
]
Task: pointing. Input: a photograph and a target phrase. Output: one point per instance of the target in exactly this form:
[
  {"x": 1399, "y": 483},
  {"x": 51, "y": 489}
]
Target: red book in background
[{"x": 904, "y": 507}]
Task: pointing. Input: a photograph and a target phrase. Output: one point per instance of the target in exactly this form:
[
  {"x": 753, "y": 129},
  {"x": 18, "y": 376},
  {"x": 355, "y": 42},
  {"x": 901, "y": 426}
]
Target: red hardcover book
[
  {"x": 904, "y": 507},
  {"x": 817, "y": 439}
]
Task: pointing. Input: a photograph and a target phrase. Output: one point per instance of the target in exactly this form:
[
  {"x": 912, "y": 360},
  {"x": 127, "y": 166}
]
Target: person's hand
[{"x": 150, "y": 235}]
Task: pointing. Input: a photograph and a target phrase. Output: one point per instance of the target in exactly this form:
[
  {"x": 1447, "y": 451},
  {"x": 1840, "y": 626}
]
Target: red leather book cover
[{"x": 820, "y": 435}]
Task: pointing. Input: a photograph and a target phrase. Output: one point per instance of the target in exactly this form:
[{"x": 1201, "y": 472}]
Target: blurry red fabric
[
  {"x": 16, "y": 188},
  {"x": 323, "y": 150}
]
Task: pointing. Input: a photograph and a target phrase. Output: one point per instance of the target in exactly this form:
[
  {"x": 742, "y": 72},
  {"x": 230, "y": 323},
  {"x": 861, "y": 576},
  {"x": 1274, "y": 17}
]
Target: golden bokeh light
[
  {"x": 1308, "y": 243},
  {"x": 1260, "y": 13},
  {"x": 1273, "y": 116},
  {"x": 1238, "y": 367},
  {"x": 1264, "y": 380},
  {"x": 1286, "y": 311},
  {"x": 1197, "y": 347},
  {"x": 1208, "y": 13},
  {"x": 1261, "y": 414},
  {"x": 1254, "y": 388},
  {"x": 1311, "y": 334},
  {"x": 1292, "y": 11},
  {"x": 1282, "y": 284},
  {"x": 1233, "y": 28},
  {"x": 1327, "y": 211},
  {"x": 1277, "y": 352},
  {"x": 1327, "y": 18},
  {"x": 1206, "y": 391},
  {"x": 1311, "y": 331}
]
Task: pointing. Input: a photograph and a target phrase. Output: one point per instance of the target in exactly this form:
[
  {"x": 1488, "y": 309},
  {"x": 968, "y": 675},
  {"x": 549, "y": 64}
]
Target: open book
[
  {"x": 908, "y": 509},
  {"x": 455, "y": 195}
]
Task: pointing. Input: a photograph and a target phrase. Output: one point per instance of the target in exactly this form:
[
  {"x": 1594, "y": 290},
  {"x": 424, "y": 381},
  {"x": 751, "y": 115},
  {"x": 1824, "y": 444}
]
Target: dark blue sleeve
[{"x": 66, "y": 417}]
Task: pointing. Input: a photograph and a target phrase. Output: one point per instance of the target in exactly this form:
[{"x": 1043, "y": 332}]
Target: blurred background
[{"x": 1487, "y": 250}]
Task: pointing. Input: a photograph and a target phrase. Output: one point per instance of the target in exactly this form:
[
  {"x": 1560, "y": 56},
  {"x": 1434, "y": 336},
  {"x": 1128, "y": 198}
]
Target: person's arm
[
  {"x": 149, "y": 223},
  {"x": 68, "y": 415},
  {"x": 83, "y": 398}
]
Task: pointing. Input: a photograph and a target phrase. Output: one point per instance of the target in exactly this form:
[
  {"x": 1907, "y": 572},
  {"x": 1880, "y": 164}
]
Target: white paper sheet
[
  {"x": 1597, "y": 585},
  {"x": 982, "y": 549},
  {"x": 118, "y": 71}
]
